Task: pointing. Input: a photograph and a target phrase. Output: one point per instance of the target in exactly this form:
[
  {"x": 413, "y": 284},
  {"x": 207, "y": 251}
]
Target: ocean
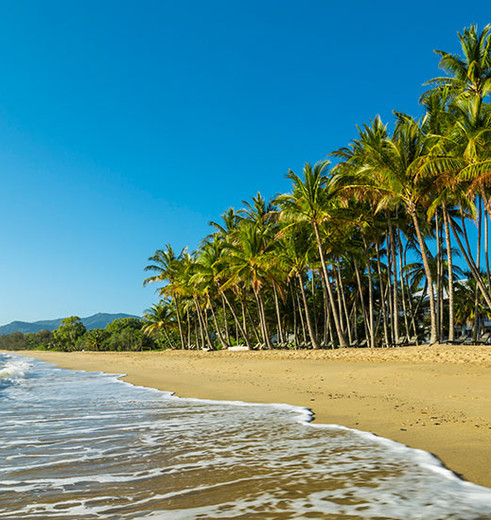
[{"x": 79, "y": 445}]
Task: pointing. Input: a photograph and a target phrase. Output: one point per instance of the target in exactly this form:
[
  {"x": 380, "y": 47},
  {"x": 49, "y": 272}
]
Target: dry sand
[{"x": 434, "y": 398}]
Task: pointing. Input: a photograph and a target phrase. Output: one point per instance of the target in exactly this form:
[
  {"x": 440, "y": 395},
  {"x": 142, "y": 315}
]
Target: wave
[{"x": 13, "y": 371}]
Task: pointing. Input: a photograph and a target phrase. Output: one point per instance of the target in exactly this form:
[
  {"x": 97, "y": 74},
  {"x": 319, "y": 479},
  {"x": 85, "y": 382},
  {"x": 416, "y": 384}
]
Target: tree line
[
  {"x": 362, "y": 251},
  {"x": 123, "y": 334}
]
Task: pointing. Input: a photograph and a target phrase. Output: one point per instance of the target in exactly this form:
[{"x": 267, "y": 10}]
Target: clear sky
[{"x": 128, "y": 125}]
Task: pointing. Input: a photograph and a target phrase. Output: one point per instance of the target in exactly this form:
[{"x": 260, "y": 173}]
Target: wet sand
[{"x": 433, "y": 398}]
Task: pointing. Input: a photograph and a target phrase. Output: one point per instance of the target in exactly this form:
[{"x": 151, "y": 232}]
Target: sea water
[{"x": 78, "y": 445}]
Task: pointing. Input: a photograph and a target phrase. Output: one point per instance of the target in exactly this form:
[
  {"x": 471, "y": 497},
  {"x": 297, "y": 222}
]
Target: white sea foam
[{"x": 14, "y": 369}]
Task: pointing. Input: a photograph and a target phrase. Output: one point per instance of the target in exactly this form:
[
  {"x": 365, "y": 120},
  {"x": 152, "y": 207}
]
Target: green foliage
[
  {"x": 41, "y": 340},
  {"x": 123, "y": 334},
  {"x": 67, "y": 334},
  {"x": 119, "y": 324},
  {"x": 129, "y": 339},
  {"x": 94, "y": 339}
]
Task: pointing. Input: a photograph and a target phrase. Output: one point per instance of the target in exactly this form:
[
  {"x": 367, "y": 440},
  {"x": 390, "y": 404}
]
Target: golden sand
[{"x": 434, "y": 398}]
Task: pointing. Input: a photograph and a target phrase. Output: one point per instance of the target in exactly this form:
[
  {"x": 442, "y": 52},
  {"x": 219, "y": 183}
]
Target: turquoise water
[{"x": 79, "y": 445}]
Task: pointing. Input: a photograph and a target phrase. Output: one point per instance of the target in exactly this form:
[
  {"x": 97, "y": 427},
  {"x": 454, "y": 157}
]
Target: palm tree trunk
[
  {"x": 396, "y": 283},
  {"x": 313, "y": 339},
  {"x": 409, "y": 297},
  {"x": 327, "y": 315},
  {"x": 478, "y": 265},
  {"x": 196, "y": 335},
  {"x": 314, "y": 307},
  {"x": 188, "y": 319},
  {"x": 429, "y": 278},
  {"x": 343, "y": 301},
  {"x": 363, "y": 306},
  {"x": 486, "y": 252},
  {"x": 438, "y": 276},
  {"x": 390, "y": 299},
  {"x": 206, "y": 328},
  {"x": 281, "y": 339},
  {"x": 403, "y": 282},
  {"x": 246, "y": 310},
  {"x": 472, "y": 266},
  {"x": 382, "y": 292},
  {"x": 262, "y": 319},
  {"x": 167, "y": 337},
  {"x": 302, "y": 321},
  {"x": 179, "y": 324},
  {"x": 451, "y": 310},
  {"x": 217, "y": 328},
  {"x": 371, "y": 327},
  {"x": 487, "y": 213},
  {"x": 198, "y": 313},
  {"x": 225, "y": 321},
  {"x": 337, "y": 324},
  {"x": 295, "y": 338},
  {"x": 237, "y": 321}
]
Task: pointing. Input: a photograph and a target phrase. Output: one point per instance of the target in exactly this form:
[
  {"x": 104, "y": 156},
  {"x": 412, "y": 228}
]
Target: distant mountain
[{"x": 97, "y": 321}]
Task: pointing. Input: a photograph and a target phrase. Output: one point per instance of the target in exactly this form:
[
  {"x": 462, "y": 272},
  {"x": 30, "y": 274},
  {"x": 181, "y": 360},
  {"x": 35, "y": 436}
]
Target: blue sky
[{"x": 128, "y": 125}]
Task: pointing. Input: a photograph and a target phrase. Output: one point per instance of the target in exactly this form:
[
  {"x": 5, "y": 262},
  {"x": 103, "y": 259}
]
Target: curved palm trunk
[
  {"x": 487, "y": 213},
  {"x": 167, "y": 337},
  {"x": 363, "y": 306},
  {"x": 262, "y": 318},
  {"x": 424, "y": 255},
  {"x": 395, "y": 304},
  {"x": 403, "y": 283},
  {"x": 439, "y": 241},
  {"x": 245, "y": 309},
  {"x": 451, "y": 311},
  {"x": 335, "y": 315},
  {"x": 327, "y": 316},
  {"x": 302, "y": 321},
  {"x": 281, "y": 339},
  {"x": 294, "y": 308},
  {"x": 475, "y": 328},
  {"x": 472, "y": 265},
  {"x": 237, "y": 321},
  {"x": 179, "y": 324},
  {"x": 310, "y": 328},
  {"x": 314, "y": 309},
  {"x": 188, "y": 320},
  {"x": 343, "y": 302},
  {"x": 225, "y": 322},
  {"x": 217, "y": 328},
  {"x": 409, "y": 298},
  {"x": 370, "y": 295},
  {"x": 486, "y": 252},
  {"x": 382, "y": 299},
  {"x": 200, "y": 323},
  {"x": 205, "y": 327}
]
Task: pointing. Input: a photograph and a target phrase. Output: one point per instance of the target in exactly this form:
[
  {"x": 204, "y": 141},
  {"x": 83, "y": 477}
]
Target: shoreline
[{"x": 433, "y": 398}]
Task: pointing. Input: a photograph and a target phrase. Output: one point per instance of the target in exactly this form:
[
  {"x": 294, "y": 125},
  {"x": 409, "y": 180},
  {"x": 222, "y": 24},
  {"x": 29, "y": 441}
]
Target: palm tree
[
  {"x": 249, "y": 261},
  {"x": 295, "y": 249},
  {"x": 391, "y": 169},
  {"x": 168, "y": 267},
  {"x": 159, "y": 318},
  {"x": 470, "y": 74},
  {"x": 313, "y": 202}
]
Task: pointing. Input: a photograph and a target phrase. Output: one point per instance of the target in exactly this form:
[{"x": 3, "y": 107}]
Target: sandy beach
[{"x": 433, "y": 398}]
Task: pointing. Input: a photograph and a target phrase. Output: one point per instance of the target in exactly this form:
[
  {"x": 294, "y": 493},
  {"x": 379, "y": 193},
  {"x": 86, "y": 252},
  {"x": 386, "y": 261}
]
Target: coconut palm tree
[
  {"x": 313, "y": 201},
  {"x": 168, "y": 267},
  {"x": 469, "y": 74},
  {"x": 159, "y": 318}
]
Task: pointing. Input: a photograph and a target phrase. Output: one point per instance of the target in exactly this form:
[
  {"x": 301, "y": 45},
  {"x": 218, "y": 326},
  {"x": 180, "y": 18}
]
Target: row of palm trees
[{"x": 359, "y": 253}]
